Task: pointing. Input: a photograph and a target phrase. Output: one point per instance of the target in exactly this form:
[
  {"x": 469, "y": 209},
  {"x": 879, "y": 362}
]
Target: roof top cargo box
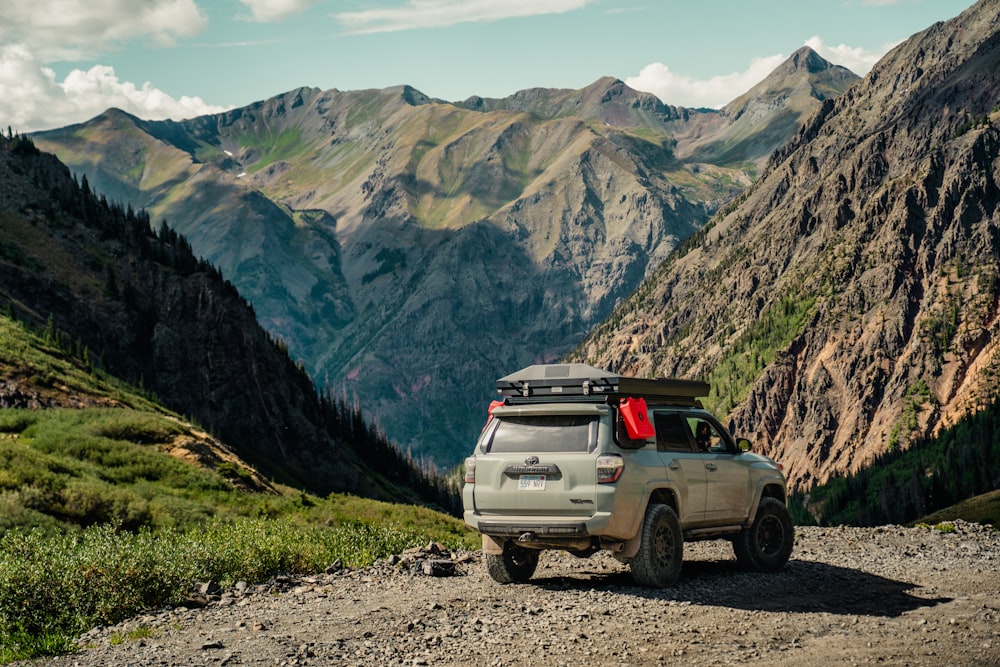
[{"x": 575, "y": 382}]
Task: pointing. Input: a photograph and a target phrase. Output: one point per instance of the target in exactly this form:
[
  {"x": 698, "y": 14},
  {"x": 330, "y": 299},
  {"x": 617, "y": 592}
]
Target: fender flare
[
  {"x": 758, "y": 495},
  {"x": 631, "y": 545}
]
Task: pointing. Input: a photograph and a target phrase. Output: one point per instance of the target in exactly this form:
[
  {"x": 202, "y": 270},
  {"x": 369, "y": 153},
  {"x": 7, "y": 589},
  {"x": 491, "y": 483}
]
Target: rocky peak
[
  {"x": 804, "y": 78},
  {"x": 755, "y": 124},
  {"x": 805, "y": 59}
]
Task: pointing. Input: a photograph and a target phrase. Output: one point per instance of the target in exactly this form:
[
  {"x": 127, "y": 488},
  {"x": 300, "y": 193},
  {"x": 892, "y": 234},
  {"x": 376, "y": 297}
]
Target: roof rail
[{"x": 570, "y": 381}]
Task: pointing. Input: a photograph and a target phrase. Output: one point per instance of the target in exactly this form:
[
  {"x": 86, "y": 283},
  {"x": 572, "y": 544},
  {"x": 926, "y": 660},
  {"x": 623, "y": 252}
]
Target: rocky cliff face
[
  {"x": 408, "y": 250},
  {"x": 848, "y": 302}
]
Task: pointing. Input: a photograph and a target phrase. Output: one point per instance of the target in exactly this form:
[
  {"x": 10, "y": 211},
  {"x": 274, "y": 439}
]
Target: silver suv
[{"x": 579, "y": 459}]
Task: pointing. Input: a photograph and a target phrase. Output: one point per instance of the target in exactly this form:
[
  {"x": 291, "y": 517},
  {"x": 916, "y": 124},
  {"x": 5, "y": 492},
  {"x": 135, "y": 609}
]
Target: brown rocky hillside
[{"x": 848, "y": 302}]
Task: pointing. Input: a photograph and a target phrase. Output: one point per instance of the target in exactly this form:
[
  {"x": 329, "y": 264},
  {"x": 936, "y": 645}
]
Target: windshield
[{"x": 545, "y": 433}]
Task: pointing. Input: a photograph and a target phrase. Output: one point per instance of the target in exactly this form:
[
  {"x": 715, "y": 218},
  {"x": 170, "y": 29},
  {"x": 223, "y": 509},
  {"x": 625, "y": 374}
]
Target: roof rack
[{"x": 575, "y": 382}]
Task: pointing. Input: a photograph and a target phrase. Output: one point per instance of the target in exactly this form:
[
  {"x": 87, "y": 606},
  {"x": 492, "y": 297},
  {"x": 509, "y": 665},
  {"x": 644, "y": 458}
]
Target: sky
[{"x": 66, "y": 61}]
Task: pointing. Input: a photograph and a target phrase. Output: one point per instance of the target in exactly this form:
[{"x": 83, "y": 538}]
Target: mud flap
[
  {"x": 630, "y": 549},
  {"x": 492, "y": 545}
]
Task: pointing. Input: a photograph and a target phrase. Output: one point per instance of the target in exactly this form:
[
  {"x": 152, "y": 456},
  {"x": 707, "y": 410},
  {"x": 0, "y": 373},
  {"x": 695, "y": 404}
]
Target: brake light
[
  {"x": 609, "y": 468},
  {"x": 470, "y": 470}
]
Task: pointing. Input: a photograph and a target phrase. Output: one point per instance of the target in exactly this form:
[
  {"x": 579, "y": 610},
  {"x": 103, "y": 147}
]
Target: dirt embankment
[{"x": 888, "y": 595}]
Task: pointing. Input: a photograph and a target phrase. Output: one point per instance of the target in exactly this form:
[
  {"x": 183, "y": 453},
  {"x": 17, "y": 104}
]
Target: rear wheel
[
  {"x": 661, "y": 548},
  {"x": 515, "y": 565},
  {"x": 766, "y": 545}
]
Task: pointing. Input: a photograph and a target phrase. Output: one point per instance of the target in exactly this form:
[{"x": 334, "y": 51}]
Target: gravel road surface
[{"x": 888, "y": 596}]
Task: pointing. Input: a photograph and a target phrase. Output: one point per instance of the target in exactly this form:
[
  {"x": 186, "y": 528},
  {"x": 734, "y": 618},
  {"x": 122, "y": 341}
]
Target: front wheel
[
  {"x": 515, "y": 565},
  {"x": 766, "y": 545},
  {"x": 661, "y": 548}
]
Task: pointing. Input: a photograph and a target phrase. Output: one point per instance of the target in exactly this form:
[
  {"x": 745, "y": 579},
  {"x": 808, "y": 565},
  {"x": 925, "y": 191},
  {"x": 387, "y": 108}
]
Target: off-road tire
[
  {"x": 766, "y": 545},
  {"x": 661, "y": 548},
  {"x": 514, "y": 566}
]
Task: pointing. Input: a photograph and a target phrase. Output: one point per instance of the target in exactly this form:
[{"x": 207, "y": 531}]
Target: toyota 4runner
[{"x": 579, "y": 459}]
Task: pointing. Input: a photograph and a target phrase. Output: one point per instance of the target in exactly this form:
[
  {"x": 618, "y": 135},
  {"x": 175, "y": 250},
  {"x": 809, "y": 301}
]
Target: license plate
[{"x": 531, "y": 483}]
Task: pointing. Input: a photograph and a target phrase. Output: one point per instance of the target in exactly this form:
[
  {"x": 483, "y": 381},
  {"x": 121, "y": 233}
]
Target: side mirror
[{"x": 743, "y": 444}]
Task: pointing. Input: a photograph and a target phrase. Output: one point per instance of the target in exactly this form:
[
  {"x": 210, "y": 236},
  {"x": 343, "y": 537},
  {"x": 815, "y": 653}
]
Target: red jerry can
[{"x": 636, "y": 419}]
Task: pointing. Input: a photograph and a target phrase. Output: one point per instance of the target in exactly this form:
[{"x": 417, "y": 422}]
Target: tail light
[
  {"x": 470, "y": 470},
  {"x": 609, "y": 468}
]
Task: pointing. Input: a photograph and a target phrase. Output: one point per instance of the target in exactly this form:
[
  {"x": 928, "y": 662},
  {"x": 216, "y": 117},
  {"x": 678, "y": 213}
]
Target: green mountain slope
[
  {"x": 79, "y": 447},
  {"x": 140, "y": 306}
]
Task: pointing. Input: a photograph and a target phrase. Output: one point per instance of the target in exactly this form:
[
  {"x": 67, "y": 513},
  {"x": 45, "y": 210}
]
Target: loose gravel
[{"x": 850, "y": 596}]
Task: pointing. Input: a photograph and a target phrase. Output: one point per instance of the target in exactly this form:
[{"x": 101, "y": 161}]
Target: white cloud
[
  {"x": 78, "y": 29},
  {"x": 265, "y": 11},
  {"x": 35, "y": 33},
  {"x": 441, "y": 13},
  {"x": 854, "y": 58},
  {"x": 679, "y": 90},
  {"x": 31, "y": 98}
]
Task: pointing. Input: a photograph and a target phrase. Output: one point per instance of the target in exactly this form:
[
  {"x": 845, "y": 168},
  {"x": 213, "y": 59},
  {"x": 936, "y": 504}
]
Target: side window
[
  {"x": 706, "y": 435},
  {"x": 672, "y": 433}
]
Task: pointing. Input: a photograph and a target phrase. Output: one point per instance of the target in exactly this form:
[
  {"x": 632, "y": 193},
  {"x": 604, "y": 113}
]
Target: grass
[
  {"x": 62, "y": 470},
  {"x": 98, "y": 521},
  {"x": 983, "y": 509},
  {"x": 52, "y": 588},
  {"x": 50, "y": 365},
  {"x": 99, "y": 524}
]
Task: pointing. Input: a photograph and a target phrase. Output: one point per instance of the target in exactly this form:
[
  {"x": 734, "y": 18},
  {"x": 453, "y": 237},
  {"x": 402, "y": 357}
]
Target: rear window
[{"x": 545, "y": 433}]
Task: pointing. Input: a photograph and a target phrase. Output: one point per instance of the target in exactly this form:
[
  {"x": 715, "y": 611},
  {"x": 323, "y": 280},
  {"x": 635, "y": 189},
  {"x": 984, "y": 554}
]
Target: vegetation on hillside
[
  {"x": 98, "y": 521},
  {"x": 902, "y": 486},
  {"x": 110, "y": 503},
  {"x": 753, "y": 350},
  {"x": 97, "y": 524}
]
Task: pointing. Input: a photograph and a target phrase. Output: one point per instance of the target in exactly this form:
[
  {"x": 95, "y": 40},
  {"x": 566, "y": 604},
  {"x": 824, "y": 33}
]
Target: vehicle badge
[{"x": 531, "y": 461}]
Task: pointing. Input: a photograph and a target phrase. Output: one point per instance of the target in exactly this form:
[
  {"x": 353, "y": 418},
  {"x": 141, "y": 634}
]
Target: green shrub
[
  {"x": 54, "y": 587},
  {"x": 15, "y": 421},
  {"x": 139, "y": 427}
]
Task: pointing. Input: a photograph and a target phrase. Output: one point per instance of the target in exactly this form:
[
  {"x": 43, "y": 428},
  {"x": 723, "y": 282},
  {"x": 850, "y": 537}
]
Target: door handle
[
  {"x": 711, "y": 466},
  {"x": 674, "y": 465}
]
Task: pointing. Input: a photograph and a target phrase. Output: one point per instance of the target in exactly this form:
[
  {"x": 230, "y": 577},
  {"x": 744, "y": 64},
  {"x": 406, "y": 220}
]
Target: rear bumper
[
  {"x": 542, "y": 526},
  {"x": 515, "y": 529}
]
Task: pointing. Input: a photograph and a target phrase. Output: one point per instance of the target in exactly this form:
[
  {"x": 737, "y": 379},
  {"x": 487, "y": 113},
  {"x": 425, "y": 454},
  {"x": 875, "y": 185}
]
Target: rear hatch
[{"x": 539, "y": 460}]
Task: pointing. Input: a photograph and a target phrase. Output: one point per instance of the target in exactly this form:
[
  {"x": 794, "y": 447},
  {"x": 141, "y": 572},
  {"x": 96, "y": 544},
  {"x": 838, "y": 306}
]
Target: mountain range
[
  {"x": 409, "y": 250},
  {"x": 847, "y": 303}
]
